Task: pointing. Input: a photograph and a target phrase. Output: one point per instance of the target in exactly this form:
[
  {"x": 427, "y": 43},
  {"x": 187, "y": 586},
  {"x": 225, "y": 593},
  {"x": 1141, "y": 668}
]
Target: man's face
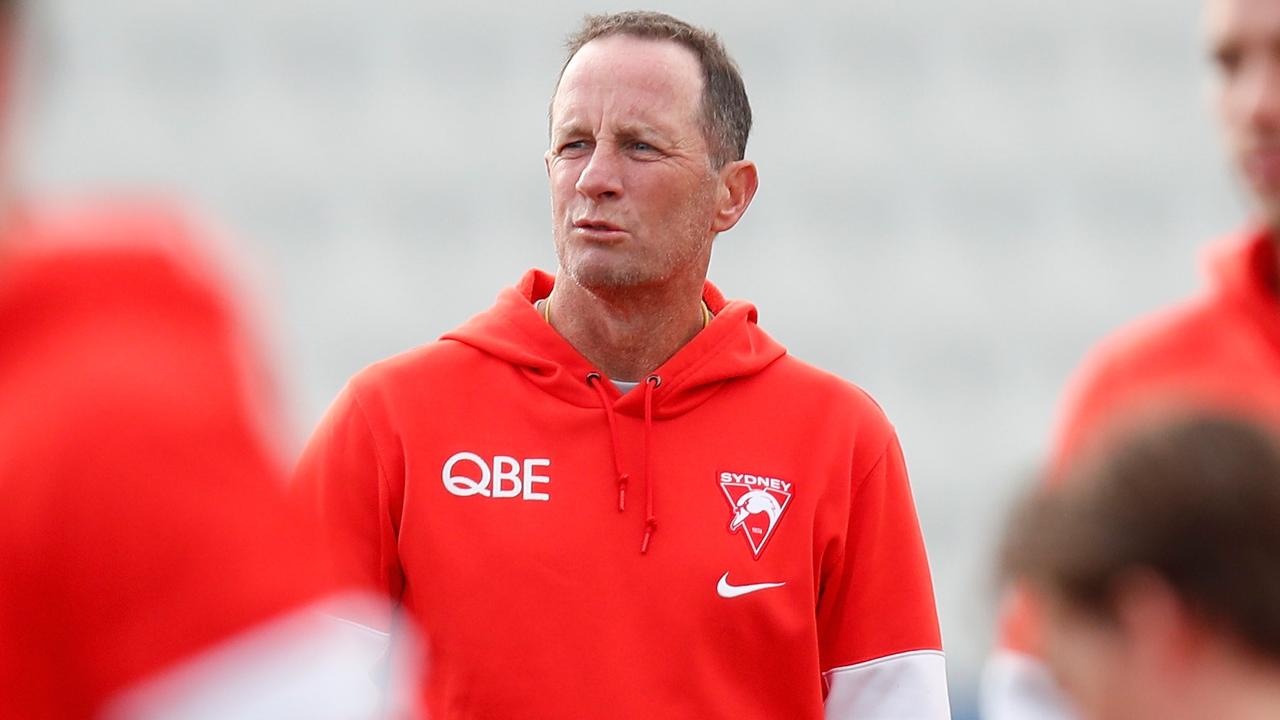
[
  {"x": 1244, "y": 38},
  {"x": 1088, "y": 661},
  {"x": 633, "y": 193},
  {"x": 1121, "y": 669}
]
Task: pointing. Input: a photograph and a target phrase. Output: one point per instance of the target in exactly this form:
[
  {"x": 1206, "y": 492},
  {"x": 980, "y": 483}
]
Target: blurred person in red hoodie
[
  {"x": 613, "y": 494},
  {"x": 1156, "y": 566},
  {"x": 1220, "y": 349},
  {"x": 150, "y": 565}
]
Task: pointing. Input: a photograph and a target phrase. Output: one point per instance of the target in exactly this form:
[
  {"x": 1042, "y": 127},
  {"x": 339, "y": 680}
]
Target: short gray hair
[{"x": 726, "y": 112}]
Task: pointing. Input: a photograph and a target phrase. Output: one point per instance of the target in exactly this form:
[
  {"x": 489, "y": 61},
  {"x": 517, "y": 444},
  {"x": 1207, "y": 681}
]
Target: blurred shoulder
[{"x": 1176, "y": 353}]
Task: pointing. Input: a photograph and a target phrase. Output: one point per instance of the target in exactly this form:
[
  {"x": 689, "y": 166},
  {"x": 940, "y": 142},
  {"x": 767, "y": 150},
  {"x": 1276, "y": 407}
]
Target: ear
[
  {"x": 738, "y": 183},
  {"x": 1164, "y": 633}
]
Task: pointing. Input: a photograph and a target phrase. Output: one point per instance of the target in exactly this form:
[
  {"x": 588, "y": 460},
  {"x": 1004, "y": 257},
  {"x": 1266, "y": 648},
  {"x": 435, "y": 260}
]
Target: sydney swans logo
[{"x": 757, "y": 503}]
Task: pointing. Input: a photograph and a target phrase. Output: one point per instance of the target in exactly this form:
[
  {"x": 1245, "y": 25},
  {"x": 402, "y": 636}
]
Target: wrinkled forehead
[
  {"x": 633, "y": 76},
  {"x": 1230, "y": 22}
]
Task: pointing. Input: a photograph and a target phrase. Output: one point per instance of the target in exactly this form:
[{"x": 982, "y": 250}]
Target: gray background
[{"x": 957, "y": 199}]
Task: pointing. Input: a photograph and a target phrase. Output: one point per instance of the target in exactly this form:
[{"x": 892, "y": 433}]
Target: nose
[
  {"x": 601, "y": 177},
  {"x": 1262, "y": 97}
]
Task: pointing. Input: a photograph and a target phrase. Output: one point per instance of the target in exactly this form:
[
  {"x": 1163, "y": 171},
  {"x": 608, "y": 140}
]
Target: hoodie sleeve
[
  {"x": 342, "y": 484},
  {"x": 881, "y": 649}
]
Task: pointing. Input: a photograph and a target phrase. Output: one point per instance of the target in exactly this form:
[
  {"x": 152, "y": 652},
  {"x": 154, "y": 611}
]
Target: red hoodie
[
  {"x": 149, "y": 563},
  {"x": 1218, "y": 351},
  {"x": 733, "y": 538}
]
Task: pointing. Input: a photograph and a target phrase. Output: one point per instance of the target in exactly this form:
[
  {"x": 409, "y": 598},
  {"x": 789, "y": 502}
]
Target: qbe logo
[{"x": 467, "y": 474}]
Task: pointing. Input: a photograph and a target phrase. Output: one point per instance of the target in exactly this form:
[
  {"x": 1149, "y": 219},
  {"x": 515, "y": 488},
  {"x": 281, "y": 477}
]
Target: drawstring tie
[
  {"x": 594, "y": 380},
  {"x": 650, "y": 521},
  {"x": 651, "y": 383}
]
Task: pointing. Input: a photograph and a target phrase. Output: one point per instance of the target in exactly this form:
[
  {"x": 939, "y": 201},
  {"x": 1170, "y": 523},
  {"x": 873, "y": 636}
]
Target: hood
[
  {"x": 731, "y": 346},
  {"x": 1244, "y": 270},
  {"x": 1244, "y": 266}
]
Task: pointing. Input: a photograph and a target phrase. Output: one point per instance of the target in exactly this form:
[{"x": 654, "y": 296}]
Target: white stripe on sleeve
[
  {"x": 316, "y": 663},
  {"x": 907, "y": 686},
  {"x": 1016, "y": 686}
]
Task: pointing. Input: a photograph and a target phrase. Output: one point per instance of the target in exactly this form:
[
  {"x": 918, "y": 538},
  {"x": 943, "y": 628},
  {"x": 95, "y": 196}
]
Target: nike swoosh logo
[{"x": 725, "y": 590}]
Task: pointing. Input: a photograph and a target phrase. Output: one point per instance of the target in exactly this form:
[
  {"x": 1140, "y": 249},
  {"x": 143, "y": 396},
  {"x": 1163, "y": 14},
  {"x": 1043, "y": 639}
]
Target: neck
[{"x": 629, "y": 332}]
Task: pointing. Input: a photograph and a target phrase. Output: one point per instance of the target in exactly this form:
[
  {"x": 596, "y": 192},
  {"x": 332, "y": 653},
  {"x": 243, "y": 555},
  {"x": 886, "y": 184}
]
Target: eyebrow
[
  {"x": 639, "y": 129},
  {"x": 569, "y": 128}
]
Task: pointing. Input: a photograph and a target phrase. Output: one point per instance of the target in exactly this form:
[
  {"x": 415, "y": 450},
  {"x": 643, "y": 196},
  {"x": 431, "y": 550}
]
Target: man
[
  {"x": 612, "y": 494},
  {"x": 150, "y": 566},
  {"x": 1157, "y": 566},
  {"x": 1219, "y": 350}
]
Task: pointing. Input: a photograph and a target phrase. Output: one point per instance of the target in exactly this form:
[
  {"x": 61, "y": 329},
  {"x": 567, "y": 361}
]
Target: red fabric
[
  {"x": 143, "y": 515},
  {"x": 596, "y": 382},
  {"x": 1219, "y": 351},
  {"x": 548, "y": 609}
]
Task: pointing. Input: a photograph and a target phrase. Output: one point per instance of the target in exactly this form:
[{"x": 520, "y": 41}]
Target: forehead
[
  {"x": 1242, "y": 20},
  {"x": 630, "y": 76}
]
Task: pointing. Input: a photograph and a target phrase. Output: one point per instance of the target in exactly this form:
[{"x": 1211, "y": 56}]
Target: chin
[
  {"x": 603, "y": 269},
  {"x": 606, "y": 276},
  {"x": 1269, "y": 208}
]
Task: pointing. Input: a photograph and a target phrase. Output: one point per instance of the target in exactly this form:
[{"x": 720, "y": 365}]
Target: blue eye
[{"x": 643, "y": 147}]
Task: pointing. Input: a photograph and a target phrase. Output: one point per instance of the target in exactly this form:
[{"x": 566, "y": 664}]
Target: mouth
[
  {"x": 1262, "y": 167},
  {"x": 598, "y": 226}
]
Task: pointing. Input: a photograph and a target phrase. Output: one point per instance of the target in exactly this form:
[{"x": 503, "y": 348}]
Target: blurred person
[
  {"x": 612, "y": 494},
  {"x": 1157, "y": 566},
  {"x": 151, "y": 565},
  {"x": 1219, "y": 349}
]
